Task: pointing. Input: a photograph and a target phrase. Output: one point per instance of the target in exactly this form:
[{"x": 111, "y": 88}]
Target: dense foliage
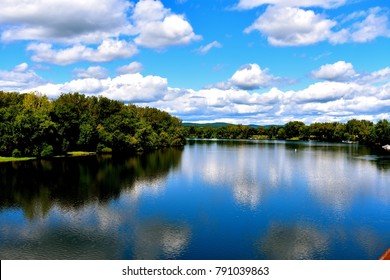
[
  {"x": 361, "y": 131},
  {"x": 33, "y": 125}
]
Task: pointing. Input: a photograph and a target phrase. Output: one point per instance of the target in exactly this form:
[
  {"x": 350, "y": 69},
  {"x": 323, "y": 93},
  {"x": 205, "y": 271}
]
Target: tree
[
  {"x": 294, "y": 129},
  {"x": 382, "y": 132},
  {"x": 32, "y": 125},
  {"x": 359, "y": 130}
]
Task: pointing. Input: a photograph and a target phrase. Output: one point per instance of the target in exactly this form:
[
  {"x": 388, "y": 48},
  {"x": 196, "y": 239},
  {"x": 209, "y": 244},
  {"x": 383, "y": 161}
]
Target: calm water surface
[{"x": 211, "y": 200}]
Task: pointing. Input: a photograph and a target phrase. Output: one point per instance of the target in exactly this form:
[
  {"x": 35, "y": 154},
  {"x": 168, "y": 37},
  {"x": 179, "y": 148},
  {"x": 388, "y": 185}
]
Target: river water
[{"x": 210, "y": 200}]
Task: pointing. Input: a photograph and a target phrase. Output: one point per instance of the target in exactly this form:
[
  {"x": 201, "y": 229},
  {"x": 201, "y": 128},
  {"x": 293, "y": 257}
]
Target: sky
[{"x": 238, "y": 61}]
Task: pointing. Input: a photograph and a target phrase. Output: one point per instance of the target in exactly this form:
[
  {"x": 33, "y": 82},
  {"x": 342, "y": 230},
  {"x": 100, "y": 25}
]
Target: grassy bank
[
  {"x": 8, "y": 159},
  {"x": 69, "y": 154},
  {"x": 80, "y": 153}
]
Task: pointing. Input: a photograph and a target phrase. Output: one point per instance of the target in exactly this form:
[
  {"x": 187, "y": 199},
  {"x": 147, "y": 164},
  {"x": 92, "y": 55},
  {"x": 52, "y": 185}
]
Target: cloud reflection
[
  {"x": 232, "y": 167},
  {"x": 249, "y": 170},
  {"x": 293, "y": 242},
  {"x": 156, "y": 239},
  {"x": 338, "y": 187}
]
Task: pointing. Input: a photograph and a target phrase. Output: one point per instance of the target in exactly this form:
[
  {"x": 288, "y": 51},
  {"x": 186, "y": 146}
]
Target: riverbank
[
  {"x": 10, "y": 159},
  {"x": 69, "y": 154}
]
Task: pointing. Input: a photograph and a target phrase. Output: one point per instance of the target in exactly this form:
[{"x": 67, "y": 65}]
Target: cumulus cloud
[
  {"x": 108, "y": 50},
  {"x": 251, "y": 76},
  {"x": 131, "y": 68},
  {"x": 128, "y": 87},
  {"x": 250, "y": 4},
  {"x": 293, "y": 26},
  {"x": 97, "y": 72},
  {"x": 19, "y": 78},
  {"x": 64, "y": 20},
  {"x": 339, "y": 71},
  {"x": 326, "y": 91},
  {"x": 344, "y": 71},
  {"x": 363, "y": 26},
  {"x": 213, "y": 103},
  {"x": 157, "y": 27},
  {"x": 289, "y": 26},
  {"x": 66, "y": 32},
  {"x": 208, "y": 47},
  {"x": 376, "y": 24},
  {"x": 349, "y": 94},
  {"x": 382, "y": 75},
  {"x": 321, "y": 101}
]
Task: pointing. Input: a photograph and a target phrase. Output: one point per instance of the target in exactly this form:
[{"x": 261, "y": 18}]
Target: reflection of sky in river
[
  {"x": 266, "y": 201},
  {"x": 251, "y": 171},
  {"x": 95, "y": 231},
  {"x": 331, "y": 198}
]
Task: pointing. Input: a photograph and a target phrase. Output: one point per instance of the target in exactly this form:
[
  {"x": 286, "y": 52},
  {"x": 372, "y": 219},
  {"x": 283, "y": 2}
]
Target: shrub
[
  {"x": 106, "y": 150},
  {"x": 101, "y": 149},
  {"x": 16, "y": 153},
  {"x": 47, "y": 151}
]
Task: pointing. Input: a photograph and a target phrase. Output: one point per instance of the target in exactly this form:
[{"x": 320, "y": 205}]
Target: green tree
[
  {"x": 294, "y": 129},
  {"x": 33, "y": 127},
  {"x": 381, "y": 132}
]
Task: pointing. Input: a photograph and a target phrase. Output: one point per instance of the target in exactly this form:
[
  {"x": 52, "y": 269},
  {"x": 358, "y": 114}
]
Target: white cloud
[
  {"x": 323, "y": 101},
  {"x": 354, "y": 16},
  {"x": 136, "y": 88},
  {"x": 292, "y": 26},
  {"x": 250, "y": 4},
  {"x": 19, "y": 78},
  {"x": 128, "y": 88},
  {"x": 344, "y": 71},
  {"x": 173, "y": 30},
  {"x": 208, "y": 47},
  {"x": 339, "y": 71},
  {"x": 97, "y": 72},
  {"x": 66, "y": 32},
  {"x": 147, "y": 11},
  {"x": 376, "y": 24},
  {"x": 326, "y": 91},
  {"x": 87, "y": 21},
  {"x": 108, "y": 50},
  {"x": 364, "y": 26},
  {"x": 213, "y": 103},
  {"x": 361, "y": 96},
  {"x": 250, "y": 77},
  {"x": 382, "y": 75},
  {"x": 158, "y": 27},
  {"x": 132, "y": 68},
  {"x": 289, "y": 26},
  {"x": 20, "y": 68}
]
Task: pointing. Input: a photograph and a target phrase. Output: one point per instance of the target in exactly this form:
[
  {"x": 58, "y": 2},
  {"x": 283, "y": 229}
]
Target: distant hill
[
  {"x": 222, "y": 124},
  {"x": 216, "y": 124}
]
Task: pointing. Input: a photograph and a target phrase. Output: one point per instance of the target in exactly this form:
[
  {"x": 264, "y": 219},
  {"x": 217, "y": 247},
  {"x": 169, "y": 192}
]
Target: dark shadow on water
[{"x": 34, "y": 186}]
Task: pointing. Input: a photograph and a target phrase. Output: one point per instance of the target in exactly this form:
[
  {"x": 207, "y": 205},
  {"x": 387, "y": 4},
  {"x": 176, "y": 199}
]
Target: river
[{"x": 209, "y": 200}]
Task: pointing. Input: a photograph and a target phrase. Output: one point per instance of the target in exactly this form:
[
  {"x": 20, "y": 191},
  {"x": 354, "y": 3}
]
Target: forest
[
  {"x": 31, "y": 125},
  {"x": 361, "y": 131}
]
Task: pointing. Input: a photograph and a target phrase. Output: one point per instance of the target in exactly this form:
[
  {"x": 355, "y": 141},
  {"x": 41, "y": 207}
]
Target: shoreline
[{"x": 69, "y": 154}]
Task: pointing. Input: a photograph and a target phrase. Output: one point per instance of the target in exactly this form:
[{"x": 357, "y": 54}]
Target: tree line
[
  {"x": 33, "y": 125},
  {"x": 361, "y": 131}
]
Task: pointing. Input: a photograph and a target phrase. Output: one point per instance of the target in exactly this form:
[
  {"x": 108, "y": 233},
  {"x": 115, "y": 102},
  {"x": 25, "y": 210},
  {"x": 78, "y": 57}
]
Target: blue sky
[{"x": 239, "y": 61}]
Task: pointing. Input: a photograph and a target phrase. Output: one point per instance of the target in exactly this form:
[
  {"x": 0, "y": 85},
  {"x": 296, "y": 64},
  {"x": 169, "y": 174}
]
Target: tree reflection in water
[{"x": 37, "y": 186}]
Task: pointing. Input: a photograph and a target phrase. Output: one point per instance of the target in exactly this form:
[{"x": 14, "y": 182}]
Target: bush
[
  {"x": 16, "y": 153},
  {"x": 106, "y": 150},
  {"x": 48, "y": 151},
  {"x": 101, "y": 149}
]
